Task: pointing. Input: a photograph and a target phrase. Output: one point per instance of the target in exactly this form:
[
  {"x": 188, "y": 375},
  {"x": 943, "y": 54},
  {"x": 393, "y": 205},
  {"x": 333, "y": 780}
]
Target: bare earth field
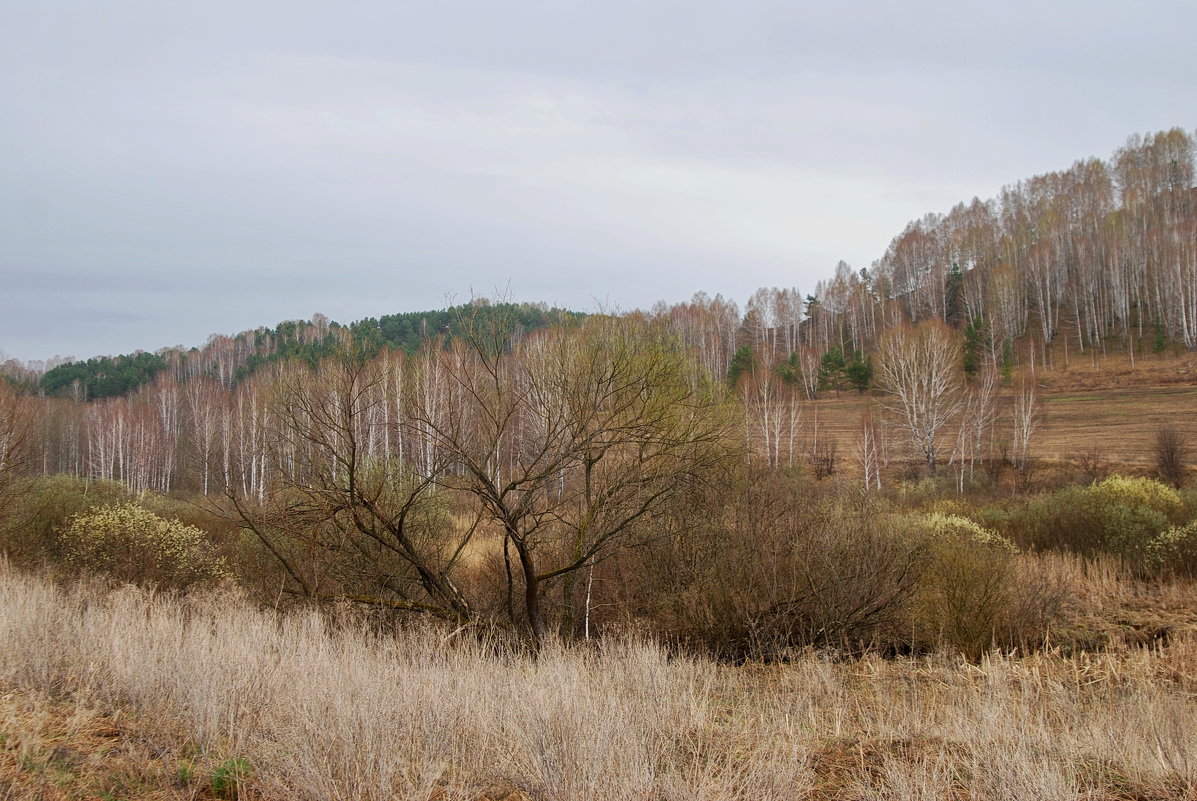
[
  {"x": 1111, "y": 410},
  {"x": 1119, "y": 423}
]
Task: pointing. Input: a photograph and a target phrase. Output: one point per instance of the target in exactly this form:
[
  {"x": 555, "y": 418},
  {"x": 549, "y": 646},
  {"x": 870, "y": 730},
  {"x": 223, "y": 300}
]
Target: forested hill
[
  {"x": 1104, "y": 252},
  {"x": 231, "y": 358},
  {"x": 1099, "y": 257}
]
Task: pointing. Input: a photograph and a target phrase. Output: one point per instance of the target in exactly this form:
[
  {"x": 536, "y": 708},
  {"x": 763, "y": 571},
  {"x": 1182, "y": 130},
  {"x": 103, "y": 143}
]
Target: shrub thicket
[
  {"x": 781, "y": 566},
  {"x": 1175, "y": 551},
  {"x": 760, "y": 564},
  {"x": 772, "y": 565},
  {"x": 40, "y": 507},
  {"x": 1118, "y": 515},
  {"x": 135, "y": 545},
  {"x": 964, "y": 594}
]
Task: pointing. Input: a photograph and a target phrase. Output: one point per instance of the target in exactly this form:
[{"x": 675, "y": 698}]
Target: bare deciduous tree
[
  {"x": 571, "y": 440},
  {"x": 773, "y": 416},
  {"x": 868, "y": 451},
  {"x": 338, "y": 521},
  {"x": 920, "y": 369},
  {"x": 978, "y": 410},
  {"x": 1170, "y": 455},
  {"x": 1024, "y": 417}
]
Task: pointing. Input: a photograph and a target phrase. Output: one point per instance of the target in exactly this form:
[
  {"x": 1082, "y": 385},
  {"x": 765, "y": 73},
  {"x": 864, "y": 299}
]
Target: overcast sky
[{"x": 173, "y": 169}]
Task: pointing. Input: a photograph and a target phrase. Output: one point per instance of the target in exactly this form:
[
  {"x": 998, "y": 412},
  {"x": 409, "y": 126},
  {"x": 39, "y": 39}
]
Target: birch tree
[
  {"x": 868, "y": 451},
  {"x": 919, "y": 367},
  {"x": 1024, "y": 417},
  {"x": 773, "y": 416}
]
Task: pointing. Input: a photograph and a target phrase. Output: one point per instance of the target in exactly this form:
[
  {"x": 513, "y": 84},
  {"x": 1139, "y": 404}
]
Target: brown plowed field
[{"x": 1112, "y": 413}]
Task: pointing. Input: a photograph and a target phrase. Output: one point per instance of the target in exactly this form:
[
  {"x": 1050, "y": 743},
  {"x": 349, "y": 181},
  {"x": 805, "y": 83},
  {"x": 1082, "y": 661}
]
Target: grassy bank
[{"x": 118, "y": 693}]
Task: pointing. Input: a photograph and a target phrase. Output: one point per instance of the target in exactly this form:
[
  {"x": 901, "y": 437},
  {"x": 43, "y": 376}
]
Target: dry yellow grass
[
  {"x": 1120, "y": 424},
  {"x": 55, "y": 749},
  {"x": 325, "y": 710},
  {"x": 1117, "y": 424}
]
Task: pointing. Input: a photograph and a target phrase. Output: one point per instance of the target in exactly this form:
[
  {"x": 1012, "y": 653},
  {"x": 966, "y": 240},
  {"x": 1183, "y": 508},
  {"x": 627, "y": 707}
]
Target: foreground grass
[{"x": 122, "y": 694}]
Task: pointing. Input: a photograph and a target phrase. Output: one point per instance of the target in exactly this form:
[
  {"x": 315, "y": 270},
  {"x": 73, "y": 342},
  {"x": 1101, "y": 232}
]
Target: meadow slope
[{"x": 121, "y": 694}]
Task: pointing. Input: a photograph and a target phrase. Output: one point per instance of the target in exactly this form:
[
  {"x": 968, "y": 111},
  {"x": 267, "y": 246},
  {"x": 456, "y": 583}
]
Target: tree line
[
  {"x": 233, "y": 358},
  {"x": 1100, "y": 255},
  {"x": 1104, "y": 250}
]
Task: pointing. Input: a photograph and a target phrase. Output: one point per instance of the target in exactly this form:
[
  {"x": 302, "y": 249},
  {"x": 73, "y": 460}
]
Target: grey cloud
[
  {"x": 192, "y": 168},
  {"x": 19, "y": 281}
]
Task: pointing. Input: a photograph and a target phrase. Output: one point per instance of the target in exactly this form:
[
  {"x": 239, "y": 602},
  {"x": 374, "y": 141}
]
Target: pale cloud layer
[{"x": 170, "y": 170}]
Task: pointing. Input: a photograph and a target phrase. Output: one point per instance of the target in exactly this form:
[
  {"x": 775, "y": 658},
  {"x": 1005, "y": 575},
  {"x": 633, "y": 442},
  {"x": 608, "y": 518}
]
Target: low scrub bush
[
  {"x": 1175, "y": 551},
  {"x": 977, "y": 592},
  {"x": 40, "y": 507},
  {"x": 1117, "y": 515},
  {"x": 1188, "y": 499},
  {"x": 960, "y": 528},
  {"x": 1145, "y": 492},
  {"x": 782, "y": 565},
  {"x": 962, "y": 595},
  {"x": 135, "y": 545}
]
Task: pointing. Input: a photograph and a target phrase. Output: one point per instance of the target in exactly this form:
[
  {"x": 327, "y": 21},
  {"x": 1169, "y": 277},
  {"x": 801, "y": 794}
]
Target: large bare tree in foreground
[
  {"x": 572, "y": 441},
  {"x": 558, "y": 449},
  {"x": 340, "y": 516}
]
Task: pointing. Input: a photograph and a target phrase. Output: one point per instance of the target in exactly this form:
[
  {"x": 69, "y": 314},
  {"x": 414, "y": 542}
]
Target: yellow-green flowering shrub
[
  {"x": 37, "y": 511},
  {"x": 949, "y": 525},
  {"x": 964, "y": 591},
  {"x": 1118, "y": 515},
  {"x": 135, "y": 545},
  {"x": 1137, "y": 492},
  {"x": 1175, "y": 551}
]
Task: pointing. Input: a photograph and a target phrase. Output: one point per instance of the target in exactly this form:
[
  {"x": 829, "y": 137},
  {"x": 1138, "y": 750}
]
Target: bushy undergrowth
[
  {"x": 68, "y": 522},
  {"x": 784, "y": 571},
  {"x": 39, "y": 507},
  {"x": 781, "y": 570},
  {"x": 1132, "y": 518},
  {"x": 762, "y": 565},
  {"x": 1175, "y": 551},
  {"x": 958, "y": 527},
  {"x": 135, "y": 545},
  {"x": 965, "y": 590}
]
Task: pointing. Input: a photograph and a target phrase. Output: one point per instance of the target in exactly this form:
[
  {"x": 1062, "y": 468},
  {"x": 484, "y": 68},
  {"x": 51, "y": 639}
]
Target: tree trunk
[{"x": 531, "y": 594}]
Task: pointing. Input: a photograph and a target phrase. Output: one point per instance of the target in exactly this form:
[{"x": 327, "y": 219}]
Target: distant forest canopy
[
  {"x": 1102, "y": 254},
  {"x": 231, "y": 359}
]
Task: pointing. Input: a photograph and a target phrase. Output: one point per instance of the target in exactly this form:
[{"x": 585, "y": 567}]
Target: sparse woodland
[{"x": 503, "y": 551}]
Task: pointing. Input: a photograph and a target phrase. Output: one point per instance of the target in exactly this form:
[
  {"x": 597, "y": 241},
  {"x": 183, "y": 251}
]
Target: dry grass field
[
  {"x": 1119, "y": 424},
  {"x": 121, "y": 694},
  {"x": 1109, "y": 410}
]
